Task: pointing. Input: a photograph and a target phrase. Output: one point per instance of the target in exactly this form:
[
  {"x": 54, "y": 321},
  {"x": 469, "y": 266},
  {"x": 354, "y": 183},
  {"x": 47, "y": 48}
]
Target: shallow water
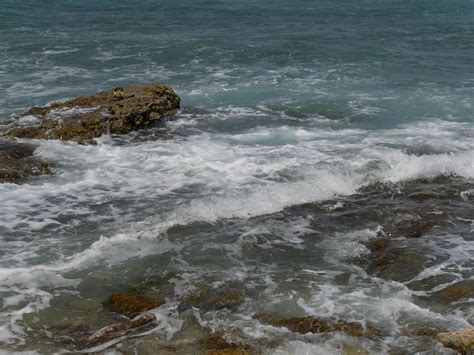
[{"x": 305, "y": 133}]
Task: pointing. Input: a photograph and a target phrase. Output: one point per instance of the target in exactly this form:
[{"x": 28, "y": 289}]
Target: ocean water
[{"x": 307, "y": 128}]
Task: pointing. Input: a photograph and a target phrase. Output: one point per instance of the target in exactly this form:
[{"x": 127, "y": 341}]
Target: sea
[{"x": 321, "y": 168}]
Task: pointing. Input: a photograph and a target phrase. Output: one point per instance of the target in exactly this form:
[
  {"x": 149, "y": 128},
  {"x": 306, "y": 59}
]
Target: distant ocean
[{"x": 310, "y": 130}]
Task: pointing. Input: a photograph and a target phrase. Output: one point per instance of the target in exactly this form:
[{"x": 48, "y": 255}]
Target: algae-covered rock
[
  {"x": 82, "y": 119},
  {"x": 130, "y": 304},
  {"x": 461, "y": 340},
  {"x": 120, "y": 329},
  {"x": 18, "y": 163},
  {"x": 456, "y": 292}
]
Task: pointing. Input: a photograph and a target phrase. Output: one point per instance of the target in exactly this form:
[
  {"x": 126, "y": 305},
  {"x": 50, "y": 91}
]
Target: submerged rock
[
  {"x": 228, "y": 298},
  {"x": 414, "y": 228},
  {"x": 120, "y": 329},
  {"x": 461, "y": 340},
  {"x": 116, "y": 111},
  {"x": 457, "y": 292},
  {"x": 315, "y": 325},
  {"x": 217, "y": 345},
  {"x": 18, "y": 163},
  {"x": 130, "y": 304}
]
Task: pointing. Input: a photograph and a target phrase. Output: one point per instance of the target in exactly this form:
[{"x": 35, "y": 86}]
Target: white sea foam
[{"x": 207, "y": 177}]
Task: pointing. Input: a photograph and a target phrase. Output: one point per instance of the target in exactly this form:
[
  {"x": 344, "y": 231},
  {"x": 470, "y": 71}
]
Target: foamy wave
[{"x": 202, "y": 177}]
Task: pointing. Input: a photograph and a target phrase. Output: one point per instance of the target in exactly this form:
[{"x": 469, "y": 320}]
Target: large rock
[
  {"x": 17, "y": 162},
  {"x": 462, "y": 340},
  {"x": 116, "y": 111}
]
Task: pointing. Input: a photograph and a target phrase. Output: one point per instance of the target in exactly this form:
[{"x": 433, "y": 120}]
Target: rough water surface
[{"x": 314, "y": 195}]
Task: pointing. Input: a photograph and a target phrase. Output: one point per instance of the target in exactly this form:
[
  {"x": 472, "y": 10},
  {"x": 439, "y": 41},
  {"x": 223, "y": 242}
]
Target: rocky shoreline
[
  {"x": 117, "y": 111},
  {"x": 405, "y": 213}
]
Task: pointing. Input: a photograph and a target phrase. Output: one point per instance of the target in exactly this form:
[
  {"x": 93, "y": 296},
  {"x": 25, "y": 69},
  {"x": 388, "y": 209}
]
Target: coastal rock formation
[
  {"x": 17, "y": 162},
  {"x": 82, "y": 119},
  {"x": 461, "y": 340}
]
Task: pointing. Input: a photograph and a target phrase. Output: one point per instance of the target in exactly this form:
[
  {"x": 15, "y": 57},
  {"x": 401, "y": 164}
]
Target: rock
[
  {"x": 412, "y": 228},
  {"x": 397, "y": 263},
  {"x": 227, "y": 299},
  {"x": 214, "y": 299},
  {"x": 130, "y": 304},
  {"x": 230, "y": 351},
  {"x": 217, "y": 345},
  {"x": 17, "y": 162},
  {"x": 116, "y": 111},
  {"x": 378, "y": 245},
  {"x": 421, "y": 196},
  {"x": 310, "y": 324},
  {"x": 461, "y": 340},
  {"x": 456, "y": 292},
  {"x": 120, "y": 329},
  {"x": 197, "y": 297},
  {"x": 74, "y": 333}
]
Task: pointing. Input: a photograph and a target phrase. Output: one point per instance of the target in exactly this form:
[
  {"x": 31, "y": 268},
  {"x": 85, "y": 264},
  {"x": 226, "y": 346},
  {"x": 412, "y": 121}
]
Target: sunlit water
[{"x": 283, "y": 105}]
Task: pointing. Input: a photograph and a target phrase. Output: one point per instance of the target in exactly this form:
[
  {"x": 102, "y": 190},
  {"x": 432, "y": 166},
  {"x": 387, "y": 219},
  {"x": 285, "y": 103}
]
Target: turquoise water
[
  {"x": 284, "y": 104},
  {"x": 408, "y": 59}
]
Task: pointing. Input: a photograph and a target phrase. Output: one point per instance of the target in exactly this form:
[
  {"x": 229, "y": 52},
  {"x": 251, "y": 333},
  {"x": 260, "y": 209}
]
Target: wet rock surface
[
  {"x": 461, "y": 340},
  {"x": 120, "y": 329},
  {"x": 226, "y": 299},
  {"x": 117, "y": 111},
  {"x": 214, "y": 299},
  {"x": 405, "y": 214},
  {"x": 17, "y": 162},
  {"x": 399, "y": 251},
  {"x": 131, "y": 304},
  {"x": 315, "y": 325},
  {"x": 217, "y": 345},
  {"x": 459, "y": 291},
  {"x": 394, "y": 250}
]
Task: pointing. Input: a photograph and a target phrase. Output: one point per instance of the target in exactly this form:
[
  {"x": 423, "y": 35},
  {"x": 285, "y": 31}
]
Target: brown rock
[
  {"x": 456, "y": 292},
  {"x": 129, "y": 304},
  {"x": 120, "y": 329},
  {"x": 197, "y": 297},
  {"x": 378, "y": 245},
  {"x": 412, "y": 228},
  {"x": 214, "y": 299},
  {"x": 17, "y": 162},
  {"x": 420, "y": 196},
  {"x": 217, "y": 345},
  {"x": 227, "y": 299},
  {"x": 461, "y": 340},
  {"x": 231, "y": 351},
  {"x": 116, "y": 111},
  {"x": 310, "y": 324}
]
